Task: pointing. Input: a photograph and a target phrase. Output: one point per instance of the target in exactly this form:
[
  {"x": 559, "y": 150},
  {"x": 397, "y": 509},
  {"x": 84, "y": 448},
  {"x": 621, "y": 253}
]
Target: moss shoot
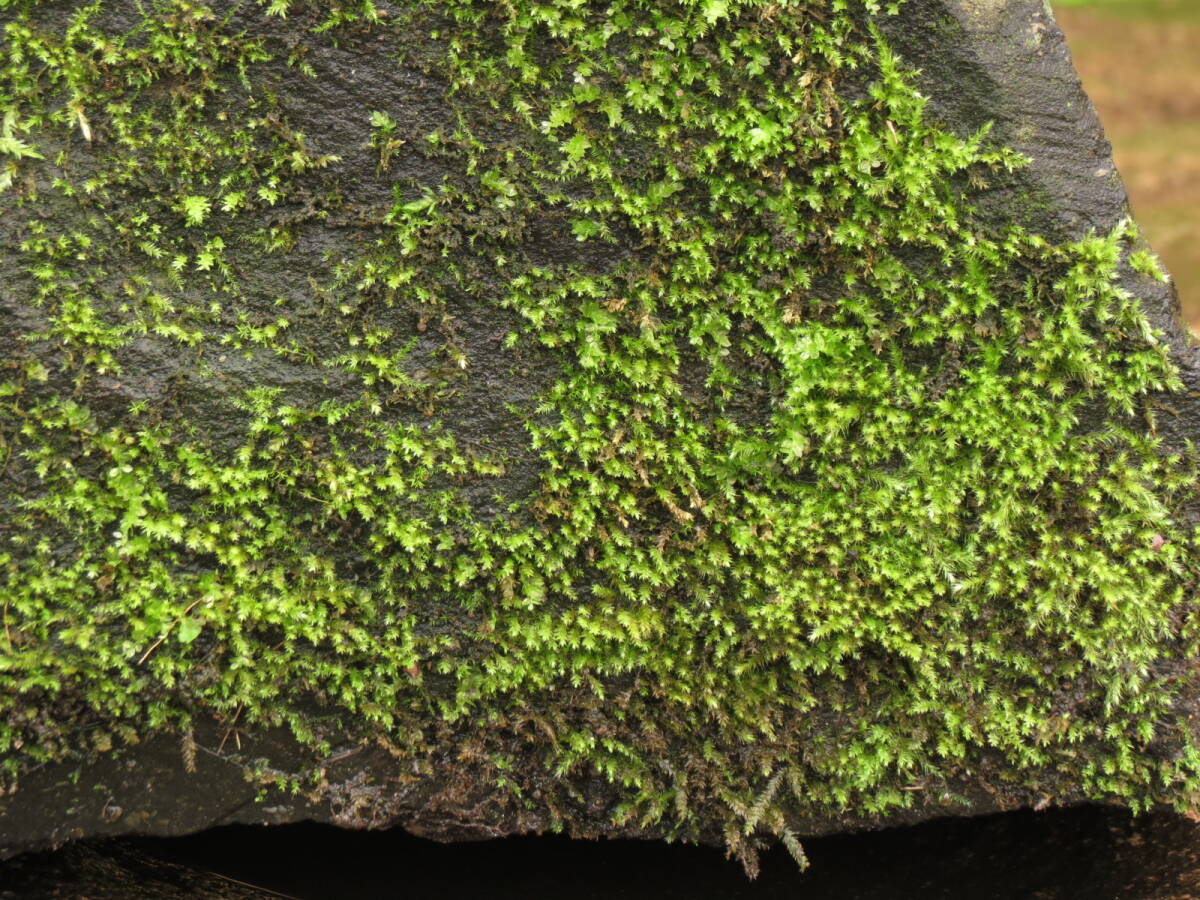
[{"x": 827, "y": 493}]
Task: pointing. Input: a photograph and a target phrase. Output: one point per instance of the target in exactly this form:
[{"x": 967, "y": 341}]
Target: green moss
[
  {"x": 1145, "y": 262},
  {"x": 840, "y": 492}
]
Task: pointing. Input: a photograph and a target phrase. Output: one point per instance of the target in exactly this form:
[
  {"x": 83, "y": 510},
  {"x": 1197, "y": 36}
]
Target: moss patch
[{"x": 823, "y": 492}]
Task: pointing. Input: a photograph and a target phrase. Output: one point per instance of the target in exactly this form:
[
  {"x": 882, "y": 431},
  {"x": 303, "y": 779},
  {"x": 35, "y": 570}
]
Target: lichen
[{"x": 834, "y": 492}]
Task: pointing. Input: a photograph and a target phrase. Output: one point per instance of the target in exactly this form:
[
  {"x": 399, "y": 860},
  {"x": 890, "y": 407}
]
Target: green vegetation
[{"x": 841, "y": 495}]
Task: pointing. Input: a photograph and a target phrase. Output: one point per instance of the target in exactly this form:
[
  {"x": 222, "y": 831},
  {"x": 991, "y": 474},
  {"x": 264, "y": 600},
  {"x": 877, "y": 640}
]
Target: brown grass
[{"x": 1140, "y": 62}]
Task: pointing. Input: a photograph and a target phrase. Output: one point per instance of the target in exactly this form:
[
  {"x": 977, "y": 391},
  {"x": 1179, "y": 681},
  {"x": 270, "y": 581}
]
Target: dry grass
[{"x": 1140, "y": 63}]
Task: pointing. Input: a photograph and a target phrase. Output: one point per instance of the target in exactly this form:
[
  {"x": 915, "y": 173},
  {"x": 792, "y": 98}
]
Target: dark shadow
[{"x": 1086, "y": 853}]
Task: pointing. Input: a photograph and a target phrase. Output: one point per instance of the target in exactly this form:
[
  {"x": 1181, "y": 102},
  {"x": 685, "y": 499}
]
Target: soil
[{"x": 1140, "y": 65}]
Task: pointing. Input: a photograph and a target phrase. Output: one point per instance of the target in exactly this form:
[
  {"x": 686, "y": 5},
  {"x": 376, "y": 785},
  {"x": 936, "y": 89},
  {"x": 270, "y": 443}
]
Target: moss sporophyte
[{"x": 819, "y": 487}]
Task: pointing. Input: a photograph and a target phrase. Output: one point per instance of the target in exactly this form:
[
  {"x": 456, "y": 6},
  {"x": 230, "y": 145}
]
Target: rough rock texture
[{"x": 377, "y": 455}]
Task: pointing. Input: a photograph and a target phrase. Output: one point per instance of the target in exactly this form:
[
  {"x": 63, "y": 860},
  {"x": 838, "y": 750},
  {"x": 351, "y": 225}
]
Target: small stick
[
  {"x": 257, "y": 887},
  {"x": 232, "y": 726},
  {"x": 178, "y": 619}
]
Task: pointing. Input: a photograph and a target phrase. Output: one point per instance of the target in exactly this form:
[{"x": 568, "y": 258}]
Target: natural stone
[{"x": 715, "y": 420}]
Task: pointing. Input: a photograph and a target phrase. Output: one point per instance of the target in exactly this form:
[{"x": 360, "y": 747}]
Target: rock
[{"x": 722, "y": 421}]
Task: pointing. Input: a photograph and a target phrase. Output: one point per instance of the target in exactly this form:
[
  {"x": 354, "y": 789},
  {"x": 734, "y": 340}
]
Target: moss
[
  {"x": 833, "y": 490},
  {"x": 1146, "y": 263}
]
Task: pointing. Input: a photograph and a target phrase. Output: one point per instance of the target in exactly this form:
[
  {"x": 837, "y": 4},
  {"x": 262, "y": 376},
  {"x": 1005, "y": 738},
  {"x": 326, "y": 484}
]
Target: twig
[
  {"x": 232, "y": 726},
  {"x": 178, "y": 619},
  {"x": 343, "y": 755},
  {"x": 256, "y": 887}
]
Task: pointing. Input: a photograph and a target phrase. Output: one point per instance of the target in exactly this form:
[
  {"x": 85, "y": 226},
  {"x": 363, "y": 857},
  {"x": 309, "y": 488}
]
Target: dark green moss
[{"x": 822, "y": 490}]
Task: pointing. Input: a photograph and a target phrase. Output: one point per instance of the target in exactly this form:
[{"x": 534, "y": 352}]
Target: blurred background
[{"x": 1140, "y": 62}]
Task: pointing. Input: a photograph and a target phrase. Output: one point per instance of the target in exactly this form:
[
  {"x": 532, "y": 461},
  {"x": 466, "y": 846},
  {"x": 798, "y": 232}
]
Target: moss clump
[{"x": 831, "y": 491}]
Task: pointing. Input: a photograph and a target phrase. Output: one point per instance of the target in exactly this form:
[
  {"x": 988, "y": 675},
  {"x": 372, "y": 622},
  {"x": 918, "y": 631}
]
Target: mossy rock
[{"x": 715, "y": 420}]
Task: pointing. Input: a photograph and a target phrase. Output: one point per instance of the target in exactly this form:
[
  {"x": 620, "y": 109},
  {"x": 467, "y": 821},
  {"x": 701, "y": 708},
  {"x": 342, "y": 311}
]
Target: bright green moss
[{"x": 840, "y": 493}]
